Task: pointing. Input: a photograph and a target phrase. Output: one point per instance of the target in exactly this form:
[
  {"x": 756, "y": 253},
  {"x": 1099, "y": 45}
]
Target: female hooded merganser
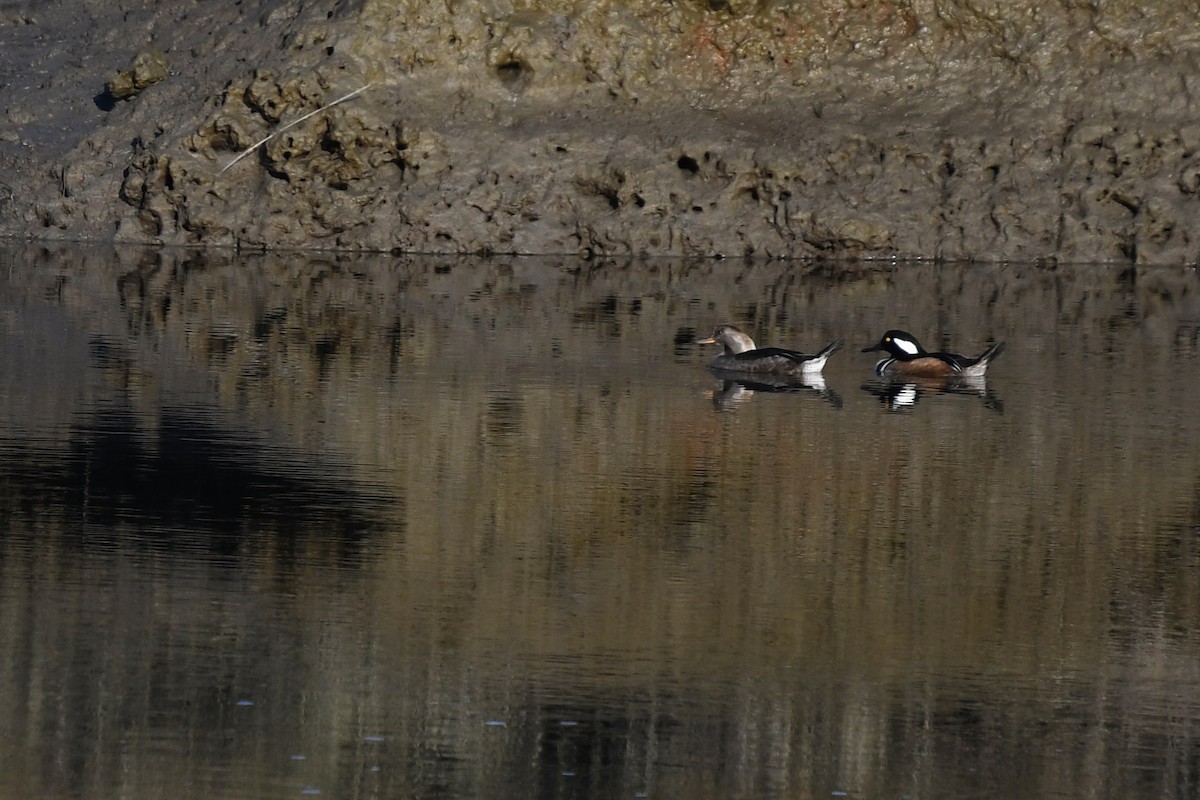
[
  {"x": 741, "y": 355},
  {"x": 907, "y": 357}
]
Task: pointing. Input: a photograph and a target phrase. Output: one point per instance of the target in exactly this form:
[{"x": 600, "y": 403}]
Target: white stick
[{"x": 266, "y": 139}]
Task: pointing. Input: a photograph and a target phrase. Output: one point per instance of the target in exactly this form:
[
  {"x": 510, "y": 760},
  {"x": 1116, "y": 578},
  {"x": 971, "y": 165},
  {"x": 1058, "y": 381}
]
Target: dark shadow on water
[{"x": 185, "y": 483}]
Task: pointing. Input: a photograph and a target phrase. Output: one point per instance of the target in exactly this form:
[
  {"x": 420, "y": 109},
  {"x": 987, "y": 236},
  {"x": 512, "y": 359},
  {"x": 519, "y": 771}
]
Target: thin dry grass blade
[{"x": 297, "y": 121}]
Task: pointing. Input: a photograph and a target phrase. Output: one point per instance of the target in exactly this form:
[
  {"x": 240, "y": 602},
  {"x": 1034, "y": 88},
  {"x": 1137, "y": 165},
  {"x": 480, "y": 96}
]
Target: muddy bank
[{"x": 782, "y": 129}]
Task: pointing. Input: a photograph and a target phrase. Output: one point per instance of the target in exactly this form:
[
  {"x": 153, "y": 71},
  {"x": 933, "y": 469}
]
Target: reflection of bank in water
[{"x": 904, "y": 394}]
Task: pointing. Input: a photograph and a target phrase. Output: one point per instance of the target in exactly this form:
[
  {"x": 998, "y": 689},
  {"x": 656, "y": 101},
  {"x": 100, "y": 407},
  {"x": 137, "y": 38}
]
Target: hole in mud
[
  {"x": 688, "y": 164},
  {"x": 328, "y": 51},
  {"x": 513, "y": 72}
]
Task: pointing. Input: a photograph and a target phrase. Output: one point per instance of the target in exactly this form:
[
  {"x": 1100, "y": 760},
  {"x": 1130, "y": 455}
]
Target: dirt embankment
[{"x": 921, "y": 128}]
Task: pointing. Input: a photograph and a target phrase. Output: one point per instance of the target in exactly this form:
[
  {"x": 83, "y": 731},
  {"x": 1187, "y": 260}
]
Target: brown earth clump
[{"x": 953, "y": 130}]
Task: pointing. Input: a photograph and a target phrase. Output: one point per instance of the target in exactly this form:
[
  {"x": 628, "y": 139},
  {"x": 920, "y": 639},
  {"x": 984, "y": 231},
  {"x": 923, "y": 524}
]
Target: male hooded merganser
[
  {"x": 907, "y": 357},
  {"x": 741, "y": 355}
]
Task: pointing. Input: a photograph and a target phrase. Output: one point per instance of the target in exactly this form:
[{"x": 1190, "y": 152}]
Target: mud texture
[{"x": 952, "y": 129}]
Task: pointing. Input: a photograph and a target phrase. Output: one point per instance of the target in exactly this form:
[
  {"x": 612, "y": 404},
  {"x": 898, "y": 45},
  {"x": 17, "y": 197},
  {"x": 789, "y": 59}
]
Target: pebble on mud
[{"x": 149, "y": 67}]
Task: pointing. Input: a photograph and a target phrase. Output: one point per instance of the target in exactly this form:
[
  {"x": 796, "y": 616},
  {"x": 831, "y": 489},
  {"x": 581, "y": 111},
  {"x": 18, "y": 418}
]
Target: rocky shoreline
[{"x": 693, "y": 128}]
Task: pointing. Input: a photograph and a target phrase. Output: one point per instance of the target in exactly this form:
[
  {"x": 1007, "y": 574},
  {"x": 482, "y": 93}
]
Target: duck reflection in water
[
  {"x": 746, "y": 368},
  {"x": 737, "y": 389},
  {"x": 902, "y": 394},
  {"x": 910, "y": 370}
]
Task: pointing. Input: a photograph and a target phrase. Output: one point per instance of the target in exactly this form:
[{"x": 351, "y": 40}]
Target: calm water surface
[{"x": 376, "y": 527}]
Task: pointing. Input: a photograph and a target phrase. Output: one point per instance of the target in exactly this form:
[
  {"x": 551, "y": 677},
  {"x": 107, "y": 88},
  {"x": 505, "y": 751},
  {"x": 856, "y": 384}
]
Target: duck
[
  {"x": 907, "y": 358},
  {"x": 742, "y": 355}
]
